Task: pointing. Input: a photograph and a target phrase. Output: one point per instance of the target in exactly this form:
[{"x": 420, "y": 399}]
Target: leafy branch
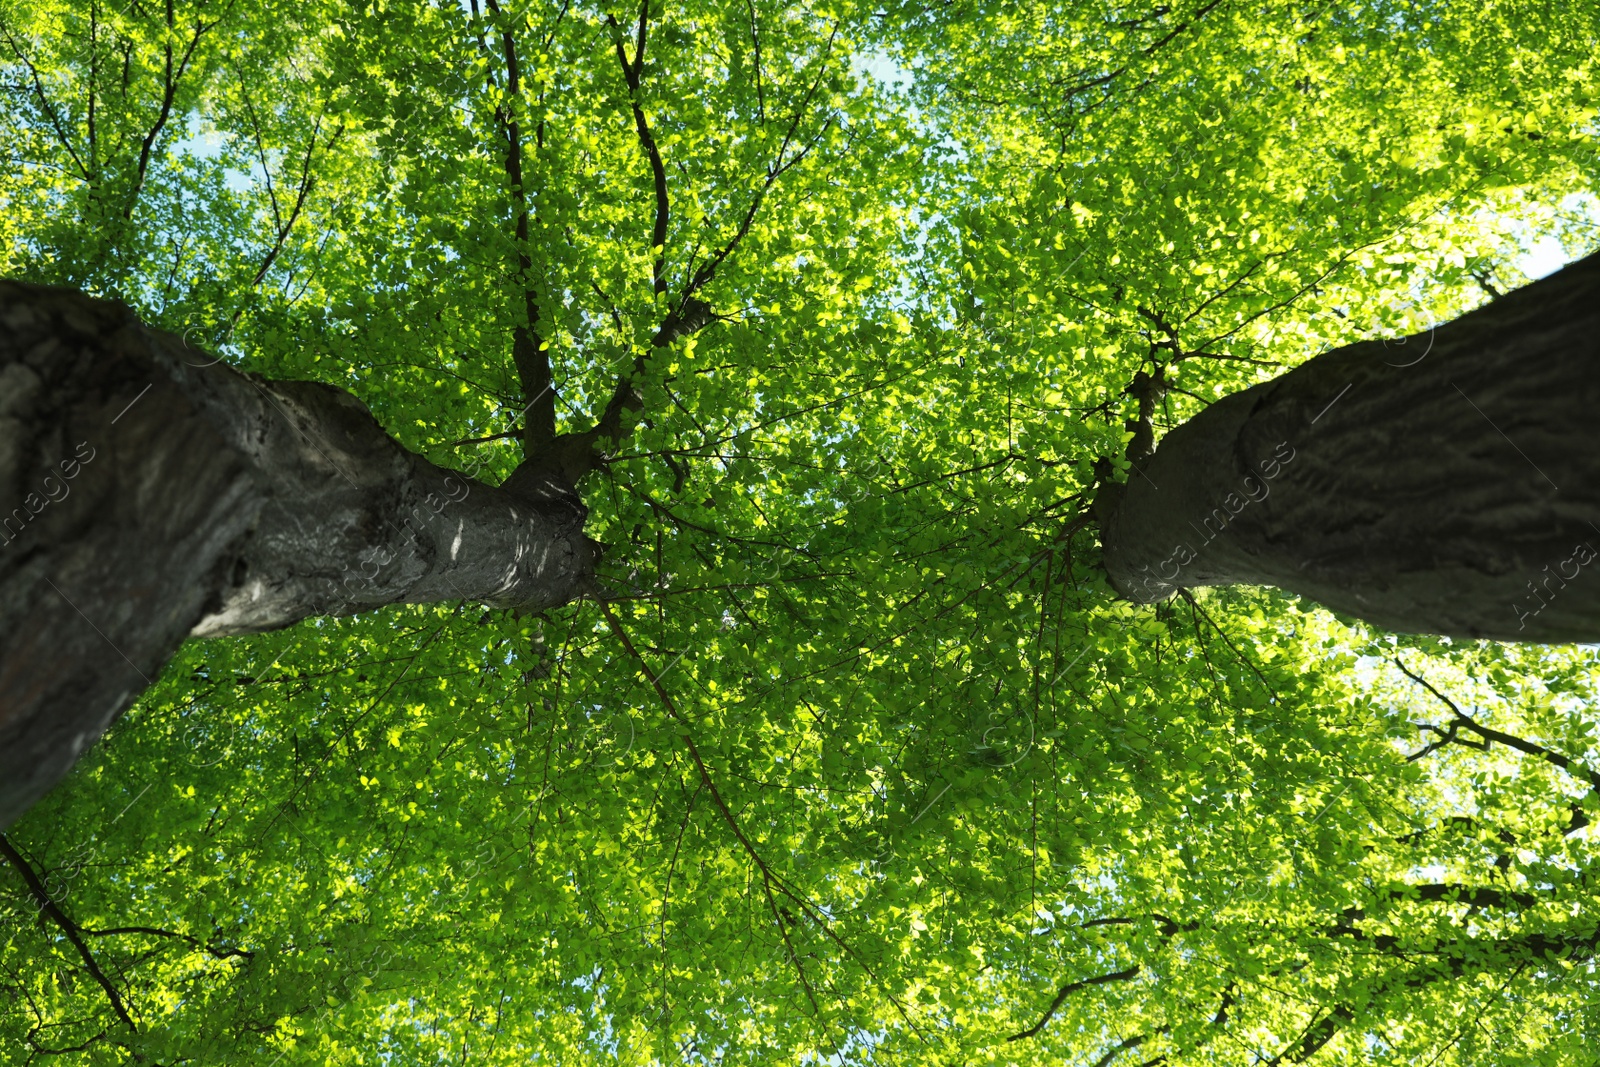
[
  {"x": 1449, "y": 734},
  {"x": 72, "y": 930},
  {"x": 1125, "y": 975},
  {"x": 45, "y": 105},
  {"x": 771, "y": 880},
  {"x": 281, "y": 225},
  {"x": 529, "y": 351},
  {"x": 633, "y": 73},
  {"x": 572, "y": 455}
]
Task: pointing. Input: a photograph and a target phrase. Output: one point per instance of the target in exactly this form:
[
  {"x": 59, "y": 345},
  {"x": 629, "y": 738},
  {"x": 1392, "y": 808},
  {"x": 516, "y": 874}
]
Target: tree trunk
[
  {"x": 1446, "y": 483},
  {"x": 149, "y": 493}
]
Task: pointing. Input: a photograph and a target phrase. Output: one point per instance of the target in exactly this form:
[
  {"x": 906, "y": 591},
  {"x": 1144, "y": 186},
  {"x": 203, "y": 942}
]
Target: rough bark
[
  {"x": 149, "y": 493},
  {"x": 1445, "y": 483}
]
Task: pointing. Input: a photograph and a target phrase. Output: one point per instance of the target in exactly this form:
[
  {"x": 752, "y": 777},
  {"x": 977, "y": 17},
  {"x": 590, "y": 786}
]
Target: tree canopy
[{"x": 855, "y": 757}]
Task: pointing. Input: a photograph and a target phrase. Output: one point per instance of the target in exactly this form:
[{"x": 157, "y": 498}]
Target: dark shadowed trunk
[
  {"x": 149, "y": 493},
  {"x": 1447, "y": 483}
]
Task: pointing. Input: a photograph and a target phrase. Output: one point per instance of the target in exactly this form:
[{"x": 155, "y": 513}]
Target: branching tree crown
[{"x": 831, "y": 321}]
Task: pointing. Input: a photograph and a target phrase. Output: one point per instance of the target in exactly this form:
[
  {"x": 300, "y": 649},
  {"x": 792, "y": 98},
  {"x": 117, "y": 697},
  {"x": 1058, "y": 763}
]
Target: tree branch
[
  {"x": 771, "y": 879},
  {"x": 68, "y": 927},
  {"x": 529, "y": 351},
  {"x": 509, "y": 434},
  {"x": 1149, "y": 50},
  {"x": 1319, "y": 1033},
  {"x": 779, "y": 165},
  {"x": 1129, "y": 1043},
  {"x": 213, "y": 950},
  {"x": 1072, "y": 987},
  {"x": 755, "y": 42},
  {"x": 44, "y": 102},
  {"x": 1488, "y": 734},
  {"x": 632, "y": 74},
  {"x": 170, "y": 81},
  {"x": 281, "y": 227},
  {"x": 576, "y": 453},
  {"x": 1223, "y": 634}
]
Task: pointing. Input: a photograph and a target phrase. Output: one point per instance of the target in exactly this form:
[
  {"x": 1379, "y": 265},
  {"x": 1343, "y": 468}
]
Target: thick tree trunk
[
  {"x": 1446, "y": 483},
  {"x": 149, "y": 493}
]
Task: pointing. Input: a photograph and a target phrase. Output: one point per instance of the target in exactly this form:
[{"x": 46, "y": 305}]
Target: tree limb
[
  {"x": 44, "y": 102},
  {"x": 170, "y": 80},
  {"x": 195, "y": 942},
  {"x": 529, "y": 351},
  {"x": 632, "y": 73},
  {"x": 1072, "y": 987},
  {"x": 771, "y": 879},
  {"x": 68, "y": 927},
  {"x": 1488, "y": 734}
]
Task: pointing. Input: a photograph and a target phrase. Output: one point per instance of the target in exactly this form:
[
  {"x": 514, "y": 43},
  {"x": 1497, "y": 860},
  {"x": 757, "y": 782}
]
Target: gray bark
[
  {"x": 1447, "y": 483},
  {"x": 149, "y": 493}
]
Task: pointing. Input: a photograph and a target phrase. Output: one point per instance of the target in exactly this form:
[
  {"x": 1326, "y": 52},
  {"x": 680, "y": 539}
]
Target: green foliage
[{"x": 881, "y": 772}]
